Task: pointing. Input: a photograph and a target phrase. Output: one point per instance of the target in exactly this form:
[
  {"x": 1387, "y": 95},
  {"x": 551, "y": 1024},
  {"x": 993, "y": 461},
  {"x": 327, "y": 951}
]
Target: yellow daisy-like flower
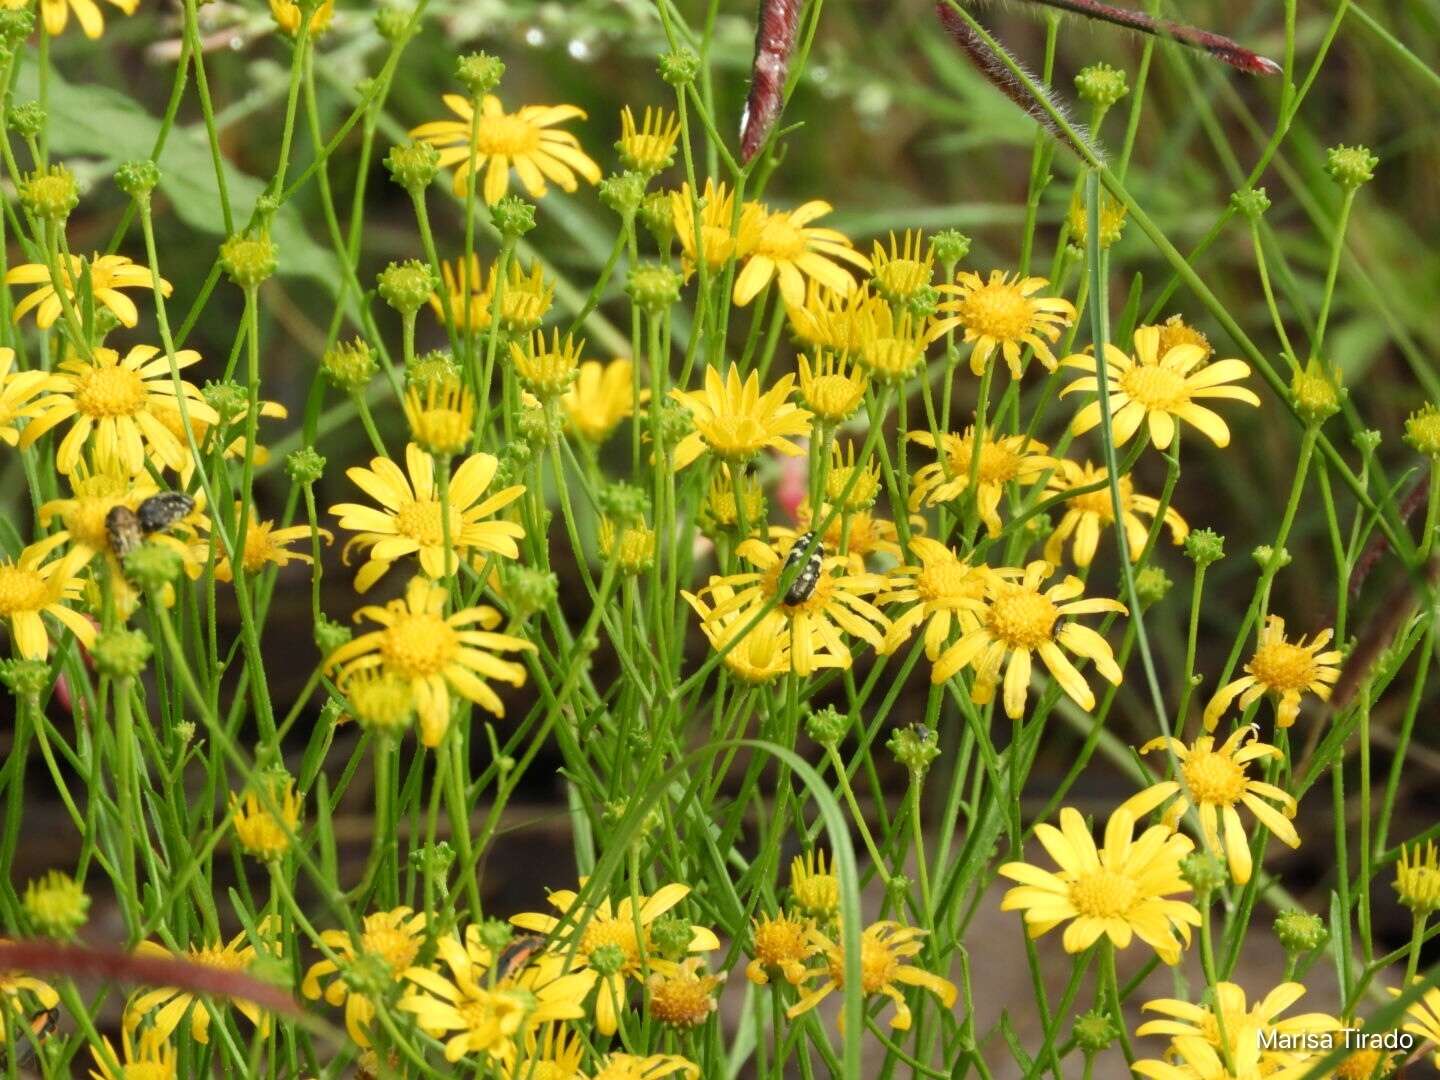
[
  {"x": 476, "y": 1013},
  {"x": 736, "y": 421},
  {"x": 108, "y": 275},
  {"x": 1158, "y": 389},
  {"x": 890, "y": 347},
  {"x": 442, "y": 422},
  {"x": 814, "y": 885},
  {"x": 56, "y": 14},
  {"x": 167, "y": 412},
  {"x": 1090, "y": 513},
  {"x": 18, "y": 391},
  {"x": 547, "y": 370},
  {"x": 1112, "y": 220},
  {"x": 682, "y": 996},
  {"x": 651, "y": 1067},
  {"x": 286, "y": 14},
  {"x": 1004, "y": 313},
  {"x": 649, "y": 147},
  {"x": 390, "y": 940},
  {"x": 719, "y": 512},
  {"x": 1004, "y": 459},
  {"x": 409, "y": 520},
  {"x": 1246, "y": 1031},
  {"x": 20, "y": 995},
  {"x": 31, "y": 588},
  {"x": 944, "y": 592},
  {"x": 862, "y": 493},
  {"x": 95, "y": 490},
  {"x": 1019, "y": 620},
  {"x": 435, "y": 653},
  {"x": 817, "y": 621},
  {"x": 113, "y": 400},
  {"x": 780, "y": 946},
  {"x": 1424, "y": 1014},
  {"x": 622, "y": 928},
  {"x": 1417, "y": 878},
  {"x": 1286, "y": 669},
  {"x": 833, "y": 322},
  {"x": 885, "y": 948},
  {"x": 1216, "y": 780},
  {"x": 832, "y": 388},
  {"x": 1195, "y": 1059},
  {"x": 555, "y": 1054},
  {"x": 900, "y": 272},
  {"x": 601, "y": 397},
  {"x": 863, "y": 534},
  {"x": 721, "y": 238},
  {"x": 760, "y": 656},
  {"x": 169, "y": 1004},
  {"x": 525, "y": 296},
  {"x": 259, "y": 832},
  {"x": 525, "y": 140},
  {"x": 265, "y": 545},
  {"x": 152, "y": 1057},
  {"x": 787, "y": 249},
  {"x": 1121, "y": 890}
]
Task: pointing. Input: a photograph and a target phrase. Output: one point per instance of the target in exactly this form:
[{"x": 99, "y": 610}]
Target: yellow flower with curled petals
[
  {"x": 780, "y": 945},
  {"x": 902, "y": 270},
  {"x": 434, "y": 653},
  {"x": 647, "y": 147},
  {"x": 622, "y": 929},
  {"x": 525, "y": 140},
  {"x": 758, "y": 655},
  {"x": 265, "y": 545},
  {"x": 1089, "y": 513},
  {"x": 735, "y": 421},
  {"x": 108, "y": 275},
  {"x": 1286, "y": 670},
  {"x": 787, "y": 249},
  {"x": 1216, "y": 781},
  {"x": 111, "y": 401},
  {"x": 1121, "y": 890},
  {"x": 408, "y": 520},
  {"x": 1158, "y": 390},
  {"x": 1003, "y": 312},
  {"x": 1020, "y": 620},
  {"x": 886, "y": 948},
  {"x": 832, "y": 387}
]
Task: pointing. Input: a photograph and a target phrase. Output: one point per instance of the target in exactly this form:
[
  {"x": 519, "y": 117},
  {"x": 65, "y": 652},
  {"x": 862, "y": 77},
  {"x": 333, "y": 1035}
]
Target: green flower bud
[
  {"x": 623, "y": 193},
  {"x": 413, "y": 165},
  {"x": 607, "y": 960},
  {"x": 1316, "y": 392},
  {"x": 827, "y": 726},
  {"x": 513, "y": 217},
  {"x": 1204, "y": 873},
  {"x": 304, "y": 466},
  {"x": 671, "y": 936},
  {"x": 680, "y": 67},
  {"x": 436, "y": 368},
  {"x": 26, "y": 679},
  {"x": 138, "y": 179},
  {"x": 1205, "y": 546},
  {"x": 406, "y": 286},
  {"x": 1422, "y": 431},
  {"x": 433, "y": 860},
  {"x": 330, "y": 635},
  {"x": 1094, "y": 1031},
  {"x": 530, "y": 590},
  {"x": 1350, "y": 166},
  {"x": 899, "y": 887},
  {"x": 1264, "y": 554},
  {"x": 653, "y": 287},
  {"x": 393, "y": 23},
  {"x": 1368, "y": 441},
  {"x": 185, "y": 732},
  {"x": 915, "y": 747},
  {"x": 1253, "y": 202},
  {"x": 229, "y": 399},
  {"x": 121, "y": 654},
  {"x": 623, "y": 503},
  {"x": 479, "y": 73},
  {"x": 153, "y": 566},
  {"x": 349, "y": 365},
  {"x": 1101, "y": 85},
  {"x": 26, "y": 120},
  {"x": 950, "y": 246},
  {"x": 1300, "y": 932},
  {"x": 56, "y": 905},
  {"x": 249, "y": 260},
  {"x": 1151, "y": 585},
  {"x": 15, "y": 26},
  {"x": 495, "y": 934},
  {"x": 50, "y": 194},
  {"x": 541, "y": 425},
  {"x": 657, "y": 214},
  {"x": 922, "y": 303}
]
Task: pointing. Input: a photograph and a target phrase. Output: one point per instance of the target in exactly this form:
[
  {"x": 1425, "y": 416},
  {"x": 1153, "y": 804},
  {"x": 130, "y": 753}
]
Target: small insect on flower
[
  {"x": 159, "y": 512},
  {"x": 41, "y": 1026},
  {"x": 803, "y": 587},
  {"x": 122, "y": 530},
  {"x": 518, "y": 953}
]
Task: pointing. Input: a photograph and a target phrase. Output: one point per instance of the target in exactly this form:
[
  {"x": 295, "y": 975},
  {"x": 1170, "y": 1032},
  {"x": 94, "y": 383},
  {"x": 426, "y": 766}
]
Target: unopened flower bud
[
  {"x": 50, "y": 194},
  {"x": 680, "y": 67},
  {"x": 1252, "y": 202},
  {"x": 249, "y": 260},
  {"x": 915, "y": 747},
  {"x": 138, "y": 179},
  {"x": 349, "y": 365},
  {"x": 653, "y": 287},
  {"x": 120, "y": 653},
  {"x": 304, "y": 466},
  {"x": 479, "y": 73},
  {"x": 56, "y": 905},
  {"x": 1300, "y": 932},
  {"x": 1101, "y": 85},
  {"x": 1205, "y": 546},
  {"x": 413, "y": 165},
  {"x": 406, "y": 286},
  {"x": 513, "y": 217},
  {"x": 1350, "y": 166},
  {"x": 27, "y": 119}
]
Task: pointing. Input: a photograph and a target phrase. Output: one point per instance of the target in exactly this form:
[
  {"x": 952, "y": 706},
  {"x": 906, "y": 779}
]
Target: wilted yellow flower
[
  {"x": 682, "y": 996},
  {"x": 1176, "y": 331},
  {"x": 901, "y": 271},
  {"x": 1003, "y": 313},
  {"x": 260, "y": 832},
  {"x": 780, "y": 945},
  {"x": 630, "y": 547},
  {"x": 1285, "y": 669},
  {"x": 524, "y": 140},
  {"x": 108, "y": 273},
  {"x": 885, "y": 949},
  {"x": 788, "y": 249}
]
